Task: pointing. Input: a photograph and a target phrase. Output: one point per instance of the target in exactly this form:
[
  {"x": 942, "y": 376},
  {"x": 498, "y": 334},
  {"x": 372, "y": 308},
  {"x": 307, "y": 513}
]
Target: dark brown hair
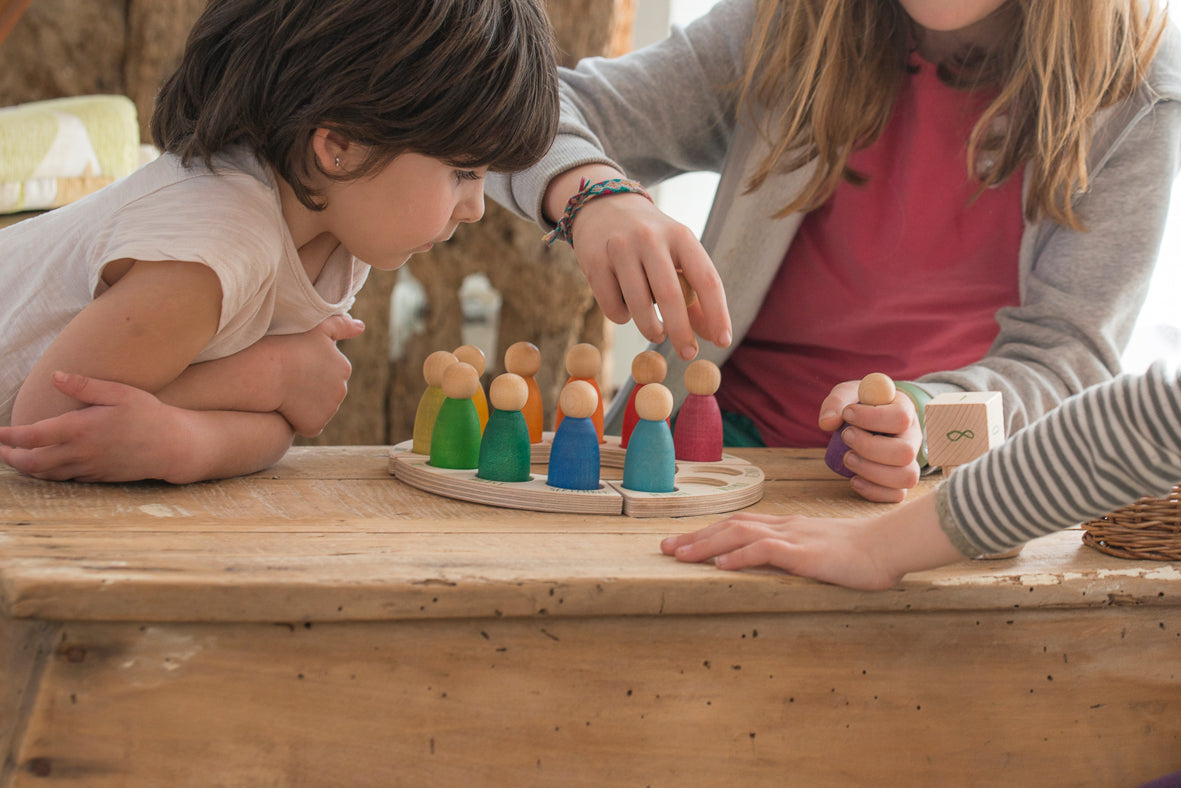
[{"x": 470, "y": 82}]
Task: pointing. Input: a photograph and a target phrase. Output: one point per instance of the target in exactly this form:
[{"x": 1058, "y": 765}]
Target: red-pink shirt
[{"x": 902, "y": 275}]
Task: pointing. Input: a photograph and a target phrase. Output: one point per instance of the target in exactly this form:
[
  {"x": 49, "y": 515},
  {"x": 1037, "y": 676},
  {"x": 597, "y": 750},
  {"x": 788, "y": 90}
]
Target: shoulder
[
  {"x": 1163, "y": 80},
  {"x": 170, "y": 210}
]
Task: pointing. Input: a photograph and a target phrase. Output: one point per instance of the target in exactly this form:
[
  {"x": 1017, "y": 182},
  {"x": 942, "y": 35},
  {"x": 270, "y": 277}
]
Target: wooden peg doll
[
  {"x": 432, "y": 398},
  {"x": 698, "y": 434},
  {"x": 585, "y": 362},
  {"x": 455, "y": 440},
  {"x": 647, "y": 367},
  {"x": 524, "y": 359},
  {"x": 504, "y": 449},
  {"x": 650, "y": 463},
  {"x": 470, "y": 354},
  {"x": 874, "y": 389},
  {"x": 574, "y": 455}
]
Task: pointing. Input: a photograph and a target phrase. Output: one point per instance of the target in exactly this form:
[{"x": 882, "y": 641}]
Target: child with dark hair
[{"x": 181, "y": 323}]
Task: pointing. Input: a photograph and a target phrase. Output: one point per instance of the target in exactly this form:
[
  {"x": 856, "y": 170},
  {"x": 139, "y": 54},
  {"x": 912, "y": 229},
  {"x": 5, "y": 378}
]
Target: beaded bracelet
[{"x": 587, "y": 192}]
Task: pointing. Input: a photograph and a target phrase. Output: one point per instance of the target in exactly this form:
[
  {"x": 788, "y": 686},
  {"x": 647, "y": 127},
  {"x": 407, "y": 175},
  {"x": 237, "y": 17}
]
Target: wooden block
[{"x": 962, "y": 426}]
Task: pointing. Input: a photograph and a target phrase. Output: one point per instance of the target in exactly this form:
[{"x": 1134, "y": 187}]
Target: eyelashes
[{"x": 468, "y": 175}]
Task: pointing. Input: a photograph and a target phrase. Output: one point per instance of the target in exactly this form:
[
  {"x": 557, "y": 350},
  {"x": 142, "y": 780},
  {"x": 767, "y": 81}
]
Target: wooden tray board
[{"x": 702, "y": 487}]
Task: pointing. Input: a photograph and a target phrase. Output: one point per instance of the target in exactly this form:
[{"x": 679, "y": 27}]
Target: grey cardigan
[{"x": 672, "y": 108}]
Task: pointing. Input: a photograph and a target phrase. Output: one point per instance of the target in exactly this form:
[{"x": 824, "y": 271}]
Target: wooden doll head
[
  {"x": 649, "y": 367},
  {"x": 508, "y": 392},
  {"x": 654, "y": 402},
  {"x": 702, "y": 377},
  {"x": 876, "y": 389},
  {"x": 584, "y": 360},
  {"x": 522, "y": 358},
  {"x": 435, "y": 365},
  {"x": 460, "y": 381},
  {"x": 470, "y": 354},
  {"x": 578, "y": 399}
]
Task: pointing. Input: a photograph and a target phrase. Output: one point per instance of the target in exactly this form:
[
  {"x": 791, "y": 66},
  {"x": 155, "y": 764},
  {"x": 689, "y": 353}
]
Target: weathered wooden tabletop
[
  {"x": 423, "y": 640},
  {"x": 328, "y": 535}
]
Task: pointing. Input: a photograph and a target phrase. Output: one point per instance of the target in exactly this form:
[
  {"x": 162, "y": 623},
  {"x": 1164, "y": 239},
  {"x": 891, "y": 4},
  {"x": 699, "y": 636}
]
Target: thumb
[
  {"x": 92, "y": 391},
  {"x": 340, "y": 327}
]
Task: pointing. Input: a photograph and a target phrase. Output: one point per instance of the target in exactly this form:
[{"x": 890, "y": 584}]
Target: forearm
[
  {"x": 566, "y": 185},
  {"x": 911, "y": 538},
  {"x": 249, "y": 380},
  {"x": 1108, "y": 447},
  {"x": 222, "y": 444}
]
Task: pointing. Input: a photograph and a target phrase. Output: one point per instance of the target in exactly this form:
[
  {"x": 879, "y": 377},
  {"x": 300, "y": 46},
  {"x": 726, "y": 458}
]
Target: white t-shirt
[{"x": 229, "y": 219}]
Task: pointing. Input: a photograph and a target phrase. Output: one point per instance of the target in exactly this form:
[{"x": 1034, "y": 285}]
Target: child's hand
[
  {"x": 883, "y": 441},
  {"x": 123, "y": 434},
  {"x": 835, "y": 551},
  {"x": 631, "y": 252},
  {"x": 315, "y": 373},
  {"x": 867, "y": 553}
]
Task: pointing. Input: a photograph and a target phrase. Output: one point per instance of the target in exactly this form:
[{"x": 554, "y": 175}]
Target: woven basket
[{"x": 1149, "y": 529}]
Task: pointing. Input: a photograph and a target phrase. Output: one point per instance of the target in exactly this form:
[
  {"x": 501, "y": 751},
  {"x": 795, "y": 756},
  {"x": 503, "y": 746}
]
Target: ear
[{"x": 332, "y": 151}]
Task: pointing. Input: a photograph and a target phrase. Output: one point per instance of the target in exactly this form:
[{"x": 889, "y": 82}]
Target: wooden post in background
[{"x": 70, "y": 48}]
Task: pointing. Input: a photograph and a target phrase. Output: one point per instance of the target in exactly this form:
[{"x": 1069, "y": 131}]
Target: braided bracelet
[{"x": 587, "y": 192}]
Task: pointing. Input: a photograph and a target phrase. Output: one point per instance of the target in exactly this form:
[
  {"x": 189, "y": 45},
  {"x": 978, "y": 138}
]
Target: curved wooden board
[{"x": 701, "y": 487}]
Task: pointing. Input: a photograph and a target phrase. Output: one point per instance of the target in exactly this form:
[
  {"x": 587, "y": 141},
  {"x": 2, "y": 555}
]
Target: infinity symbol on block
[{"x": 955, "y": 435}]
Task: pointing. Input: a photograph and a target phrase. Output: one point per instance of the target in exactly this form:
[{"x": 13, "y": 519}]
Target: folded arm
[{"x": 131, "y": 406}]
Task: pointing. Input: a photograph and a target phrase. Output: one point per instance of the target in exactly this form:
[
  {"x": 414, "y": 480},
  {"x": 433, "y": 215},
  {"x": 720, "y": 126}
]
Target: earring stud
[{"x": 338, "y": 162}]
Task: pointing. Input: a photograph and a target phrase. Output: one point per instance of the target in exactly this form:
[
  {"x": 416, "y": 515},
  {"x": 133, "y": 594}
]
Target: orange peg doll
[
  {"x": 524, "y": 359},
  {"x": 585, "y": 362}
]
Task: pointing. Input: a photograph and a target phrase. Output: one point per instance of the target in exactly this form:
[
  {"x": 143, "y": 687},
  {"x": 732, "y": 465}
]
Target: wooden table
[{"x": 323, "y": 624}]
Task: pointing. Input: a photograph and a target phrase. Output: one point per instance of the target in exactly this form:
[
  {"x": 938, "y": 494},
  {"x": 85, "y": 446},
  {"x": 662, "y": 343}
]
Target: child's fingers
[
  {"x": 339, "y": 327},
  {"x": 605, "y": 287},
  {"x": 761, "y": 552},
  {"x": 641, "y": 304},
  {"x": 51, "y": 464},
  {"x": 736, "y": 534},
  {"x": 878, "y": 493},
  {"x": 831, "y": 409},
  {"x": 885, "y": 450},
  {"x": 92, "y": 391},
  {"x": 38, "y": 435},
  {"x": 709, "y": 316},
  {"x": 666, "y": 288},
  {"x": 771, "y": 521},
  {"x": 894, "y": 418},
  {"x": 670, "y": 544}
]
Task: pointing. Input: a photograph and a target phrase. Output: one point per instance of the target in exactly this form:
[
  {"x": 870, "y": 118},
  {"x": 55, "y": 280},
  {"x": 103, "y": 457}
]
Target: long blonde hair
[{"x": 828, "y": 71}]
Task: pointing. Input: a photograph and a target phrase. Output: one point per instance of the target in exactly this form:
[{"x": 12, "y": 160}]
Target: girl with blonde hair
[{"x": 964, "y": 195}]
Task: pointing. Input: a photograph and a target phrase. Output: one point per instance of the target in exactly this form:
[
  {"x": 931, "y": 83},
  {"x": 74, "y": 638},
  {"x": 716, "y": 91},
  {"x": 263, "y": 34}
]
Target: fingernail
[
  {"x": 828, "y": 415},
  {"x": 848, "y": 415},
  {"x": 724, "y": 339},
  {"x": 688, "y": 352},
  {"x": 722, "y": 561},
  {"x": 847, "y": 437}
]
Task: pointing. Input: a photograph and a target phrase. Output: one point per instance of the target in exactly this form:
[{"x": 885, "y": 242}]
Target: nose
[{"x": 470, "y": 207}]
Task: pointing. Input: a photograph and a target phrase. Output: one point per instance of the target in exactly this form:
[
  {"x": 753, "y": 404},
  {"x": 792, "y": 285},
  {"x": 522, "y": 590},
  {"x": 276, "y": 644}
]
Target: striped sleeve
[{"x": 1102, "y": 449}]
